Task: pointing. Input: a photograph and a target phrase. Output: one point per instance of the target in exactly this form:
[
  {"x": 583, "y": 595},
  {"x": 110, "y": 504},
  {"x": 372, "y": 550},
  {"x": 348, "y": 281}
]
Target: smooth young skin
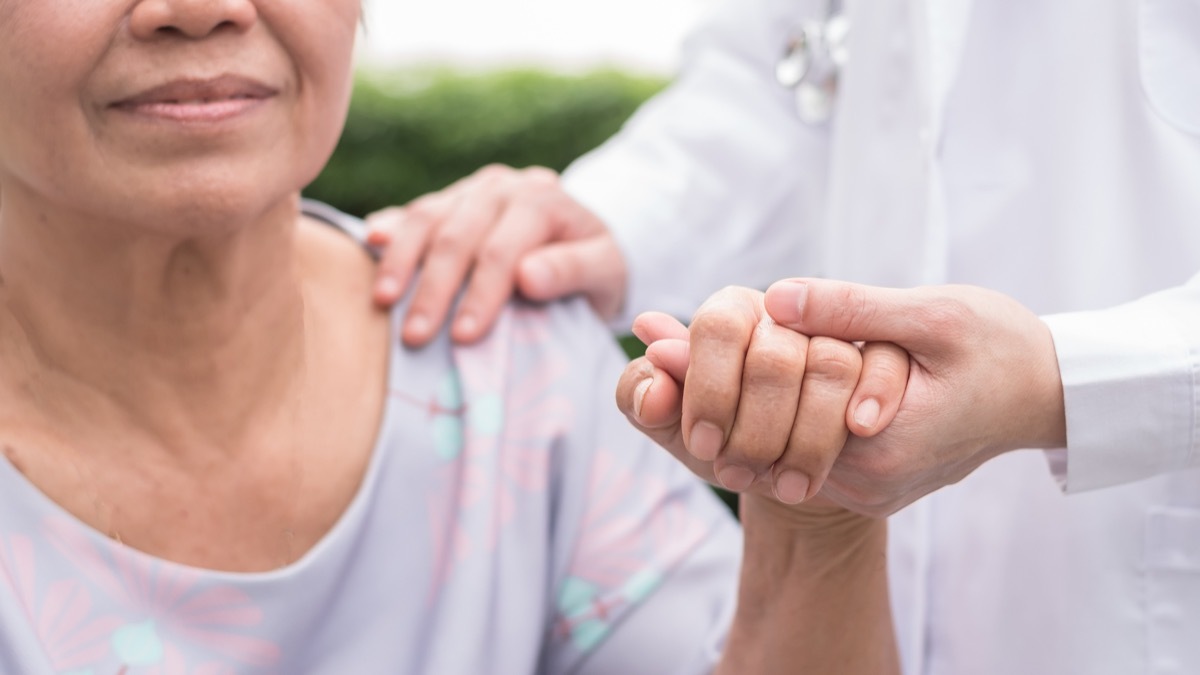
[{"x": 156, "y": 281}]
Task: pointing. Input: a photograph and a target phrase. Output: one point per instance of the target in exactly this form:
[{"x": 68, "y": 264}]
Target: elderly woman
[{"x": 220, "y": 460}]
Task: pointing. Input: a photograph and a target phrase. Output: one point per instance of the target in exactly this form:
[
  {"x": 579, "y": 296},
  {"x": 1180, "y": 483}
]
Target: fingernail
[
  {"x": 417, "y": 326},
  {"x": 466, "y": 325},
  {"x": 378, "y": 237},
  {"x": 707, "y": 440},
  {"x": 639, "y": 395},
  {"x": 791, "y": 487},
  {"x": 387, "y": 287},
  {"x": 735, "y": 478},
  {"x": 867, "y": 413}
]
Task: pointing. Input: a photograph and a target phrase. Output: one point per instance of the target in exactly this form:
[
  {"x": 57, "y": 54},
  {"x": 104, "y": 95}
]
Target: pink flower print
[
  {"x": 62, "y": 618},
  {"x": 445, "y": 410},
  {"x": 539, "y": 413},
  {"x": 218, "y": 619},
  {"x": 511, "y": 413},
  {"x": 634, "y": 530}
]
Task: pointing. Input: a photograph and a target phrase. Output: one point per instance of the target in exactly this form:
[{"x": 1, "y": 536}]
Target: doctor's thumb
[{"x": 851, "y": 312}]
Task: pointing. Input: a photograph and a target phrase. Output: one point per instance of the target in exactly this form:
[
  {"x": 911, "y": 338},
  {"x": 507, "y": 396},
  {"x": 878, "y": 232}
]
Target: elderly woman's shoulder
[{"x": 332, "y": 250}]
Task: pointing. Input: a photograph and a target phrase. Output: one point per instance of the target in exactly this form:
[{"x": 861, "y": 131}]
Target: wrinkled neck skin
[{"x": 183, "y": 331}]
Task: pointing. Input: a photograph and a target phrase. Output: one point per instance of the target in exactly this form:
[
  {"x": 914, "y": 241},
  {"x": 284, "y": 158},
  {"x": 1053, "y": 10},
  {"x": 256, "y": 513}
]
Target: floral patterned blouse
[{"x": 510, "y": 521}]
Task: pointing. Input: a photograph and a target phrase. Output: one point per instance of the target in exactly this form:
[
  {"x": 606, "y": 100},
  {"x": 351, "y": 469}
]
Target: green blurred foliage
[{"x": 410, "y": 132}]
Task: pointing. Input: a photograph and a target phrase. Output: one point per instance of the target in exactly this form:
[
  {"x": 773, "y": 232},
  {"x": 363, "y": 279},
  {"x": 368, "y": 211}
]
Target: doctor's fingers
[
  {"x": 401, "y": 234},
  {"x": 531, "y": 219},
  {"x": 720, "y": 334},
  {"x": 880, "y": 389},
  {"x": 922, "y": 320},
  {"x": 458, "y": 227}
]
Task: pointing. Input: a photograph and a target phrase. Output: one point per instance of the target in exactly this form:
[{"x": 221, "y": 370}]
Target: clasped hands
[
  {"x": 946, "y": 377},
  {"x": 900, "y": 393}
]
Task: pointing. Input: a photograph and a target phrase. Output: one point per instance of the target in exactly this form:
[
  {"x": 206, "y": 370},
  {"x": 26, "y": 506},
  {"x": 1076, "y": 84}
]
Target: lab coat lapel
[{"x": 878, "y": 168}]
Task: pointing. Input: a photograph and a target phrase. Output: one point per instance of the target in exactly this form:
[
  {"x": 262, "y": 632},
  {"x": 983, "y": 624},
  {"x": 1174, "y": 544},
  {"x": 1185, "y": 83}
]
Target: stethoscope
[{"x": 814, "y": 55}]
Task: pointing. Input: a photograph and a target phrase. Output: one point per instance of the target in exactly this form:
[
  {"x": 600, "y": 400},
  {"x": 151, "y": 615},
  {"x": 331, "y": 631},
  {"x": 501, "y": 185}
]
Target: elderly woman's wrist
[
  {"x": 809, "y": 540},
  {"x": 813, "y": 594}
]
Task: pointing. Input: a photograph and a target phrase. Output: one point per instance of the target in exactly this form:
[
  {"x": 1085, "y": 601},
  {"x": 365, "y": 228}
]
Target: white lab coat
[{"x": 1049, "y": 150}]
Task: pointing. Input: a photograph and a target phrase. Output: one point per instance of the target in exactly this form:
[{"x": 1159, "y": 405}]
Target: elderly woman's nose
[{"x": 191, "y": 18}]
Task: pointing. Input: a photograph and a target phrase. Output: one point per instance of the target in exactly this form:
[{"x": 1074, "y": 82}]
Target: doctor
[{"x": 1047, "y": 151}]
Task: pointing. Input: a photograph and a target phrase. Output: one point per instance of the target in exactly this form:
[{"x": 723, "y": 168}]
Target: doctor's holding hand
[{"x": 1008, "y": 192}]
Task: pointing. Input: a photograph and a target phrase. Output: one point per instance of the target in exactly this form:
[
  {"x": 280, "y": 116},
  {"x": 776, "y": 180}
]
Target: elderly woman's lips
[{"x": 208, "y": 100}]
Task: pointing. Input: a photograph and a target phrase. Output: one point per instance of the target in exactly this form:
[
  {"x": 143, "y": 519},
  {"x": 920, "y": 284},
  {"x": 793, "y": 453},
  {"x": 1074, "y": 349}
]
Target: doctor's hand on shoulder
[{"x": 498, "y": 231}]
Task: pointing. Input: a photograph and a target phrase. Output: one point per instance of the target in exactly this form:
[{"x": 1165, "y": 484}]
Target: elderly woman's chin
[
  {"x": 194, "y": 197},
  {"x": 197, "y": 200}
]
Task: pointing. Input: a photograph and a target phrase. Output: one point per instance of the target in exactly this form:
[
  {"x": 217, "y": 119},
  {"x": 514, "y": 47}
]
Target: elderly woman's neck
[{"x": 154, "y": 322}]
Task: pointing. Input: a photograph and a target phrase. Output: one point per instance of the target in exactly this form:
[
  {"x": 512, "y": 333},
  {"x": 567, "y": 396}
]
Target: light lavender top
[{"x": 510, "y": 521}]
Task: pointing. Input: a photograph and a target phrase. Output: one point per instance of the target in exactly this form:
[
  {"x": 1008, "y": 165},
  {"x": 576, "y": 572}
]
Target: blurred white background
[{"x": 642, "y": 35}]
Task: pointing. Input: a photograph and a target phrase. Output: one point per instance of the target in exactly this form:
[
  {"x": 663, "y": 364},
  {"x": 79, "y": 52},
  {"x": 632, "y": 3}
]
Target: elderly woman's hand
[
  {"x": 507, "y": 230},
  {"x": 781, "y": 406},
  {"x": 753, "y": 406}
]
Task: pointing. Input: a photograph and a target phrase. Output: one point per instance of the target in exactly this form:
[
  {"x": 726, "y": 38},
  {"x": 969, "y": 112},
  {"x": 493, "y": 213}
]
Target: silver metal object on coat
[{"x": 811, "y": 62}]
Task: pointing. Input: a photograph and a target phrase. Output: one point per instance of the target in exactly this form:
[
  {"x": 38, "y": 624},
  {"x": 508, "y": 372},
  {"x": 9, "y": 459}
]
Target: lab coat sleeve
[
  {"x": 1131, "y": 385},
  {"x": 715, "y": 181}
]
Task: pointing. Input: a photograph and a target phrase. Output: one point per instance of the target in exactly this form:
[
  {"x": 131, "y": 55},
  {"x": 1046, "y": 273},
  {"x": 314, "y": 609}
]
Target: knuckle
[
  {"x": 727, "y": 316},
  {"x": 885, "y": 364},
  {"x": 539, "y": 200},
  {"x": 387, "y": 217},
  {"x": 420, "y": 211},
  {"x": 540, "y": 175},
  {"x": 494, "y": 254},
  {"x": 833, "y": 361},
  {"x": 493, "y": 173},
  {"x": 851, "y": 308},
  {"x": 720, "y": 326},
  {"x": 774, "y": 362},
  {"x": 451, "y": 242}
]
